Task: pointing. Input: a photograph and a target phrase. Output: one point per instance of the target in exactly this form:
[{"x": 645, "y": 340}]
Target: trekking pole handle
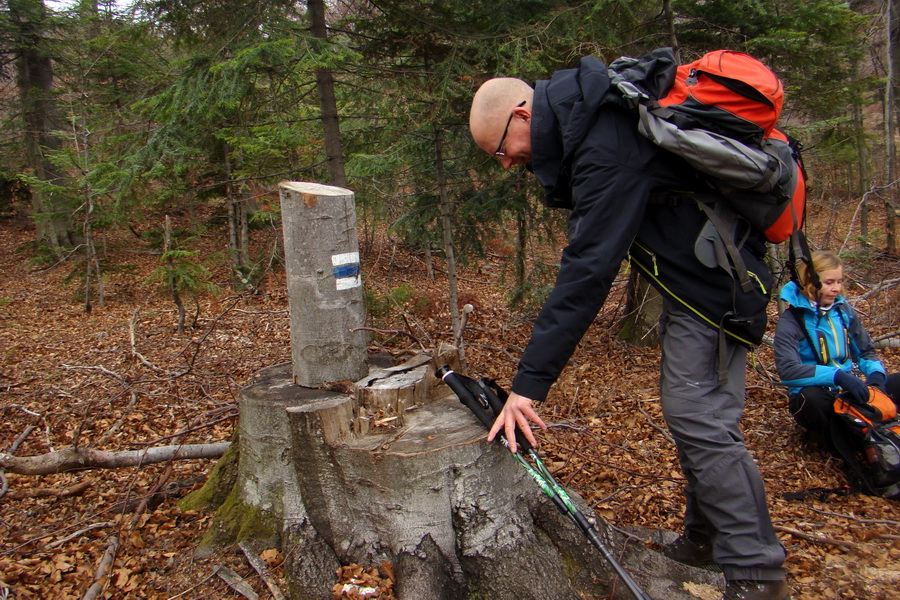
[{"x": 455, "y": 383}]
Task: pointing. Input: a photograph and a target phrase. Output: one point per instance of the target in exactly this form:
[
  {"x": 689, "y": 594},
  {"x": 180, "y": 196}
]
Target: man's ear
[{"x": 522, "y": 112}]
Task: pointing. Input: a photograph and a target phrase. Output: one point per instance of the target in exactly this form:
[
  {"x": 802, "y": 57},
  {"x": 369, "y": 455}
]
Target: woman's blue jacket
[{"x": 840, "y": 340}]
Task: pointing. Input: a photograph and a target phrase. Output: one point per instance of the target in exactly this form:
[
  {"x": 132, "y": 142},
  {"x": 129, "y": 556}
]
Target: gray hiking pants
[{"x": 726, "y": 500}]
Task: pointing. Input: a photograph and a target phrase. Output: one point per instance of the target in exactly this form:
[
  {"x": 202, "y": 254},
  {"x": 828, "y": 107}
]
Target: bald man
[{"x": 627, "y": 196}]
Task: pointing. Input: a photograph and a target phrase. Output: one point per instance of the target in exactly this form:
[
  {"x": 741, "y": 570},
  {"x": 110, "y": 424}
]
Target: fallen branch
[
  {"x": 4, "y": 483},
  {"x": 816, "y": 539},
  {"x": 79, "y": 533},
  {"x": 886, "y": 284},
  {"x": 72, "y": 490},
  {"x": 193, "y": 429},
  {"x": 236, "y": 582},
  {"x": 103, "y": 569},
  {"x": 134, "y": 350},
  {"x": 888, "y": 340},
  {"x": 119, "y": 422},
  {"x": 260, "y": 567},
  {"x": 653, "y": 424},
  {"x": 72, "y": 459}
]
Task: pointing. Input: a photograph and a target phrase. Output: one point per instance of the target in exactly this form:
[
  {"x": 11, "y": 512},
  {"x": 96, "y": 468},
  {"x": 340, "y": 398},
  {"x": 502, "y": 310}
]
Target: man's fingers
[
  {"x": 499, "y": 422},
  {"x": 511, "y": 434},
  {"x": 516, "y": 413}
]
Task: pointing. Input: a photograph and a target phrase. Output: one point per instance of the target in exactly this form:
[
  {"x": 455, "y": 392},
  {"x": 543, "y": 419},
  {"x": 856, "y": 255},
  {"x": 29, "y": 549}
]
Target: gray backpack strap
[
  {"x": 726, "y": 233},
  {"x": 734, "y": 163}
]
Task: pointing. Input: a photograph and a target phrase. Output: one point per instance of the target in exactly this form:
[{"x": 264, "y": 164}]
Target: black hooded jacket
[{"x": 590, "y": 158}]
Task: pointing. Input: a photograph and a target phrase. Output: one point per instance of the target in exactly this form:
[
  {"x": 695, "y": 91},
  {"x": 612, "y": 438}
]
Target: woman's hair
[{"x": 822, "y": 260}]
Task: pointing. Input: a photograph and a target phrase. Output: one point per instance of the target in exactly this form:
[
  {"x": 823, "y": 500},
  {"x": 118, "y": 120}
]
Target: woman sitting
[{"x": 819, "y": 340}]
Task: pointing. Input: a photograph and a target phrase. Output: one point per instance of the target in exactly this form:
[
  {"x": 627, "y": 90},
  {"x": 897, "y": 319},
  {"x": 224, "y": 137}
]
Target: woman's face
[{"x": 832, "y": 281}]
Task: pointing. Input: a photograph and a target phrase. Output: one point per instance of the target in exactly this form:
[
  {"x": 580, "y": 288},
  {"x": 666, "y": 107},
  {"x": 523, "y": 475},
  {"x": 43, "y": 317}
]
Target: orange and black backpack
[
  {"x": 876, "y": 425},
  {"x": 720, "y": 114}
]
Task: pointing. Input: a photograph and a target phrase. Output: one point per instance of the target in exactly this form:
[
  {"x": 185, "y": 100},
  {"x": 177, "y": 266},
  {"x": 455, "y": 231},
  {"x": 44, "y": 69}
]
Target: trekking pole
[{"x": 482, "y": 400}]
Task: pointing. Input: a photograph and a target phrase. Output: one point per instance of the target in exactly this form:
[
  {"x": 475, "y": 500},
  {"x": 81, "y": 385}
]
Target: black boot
[
  {"x": 689, "y": 552},
  {"x": 745, "y": 589}
]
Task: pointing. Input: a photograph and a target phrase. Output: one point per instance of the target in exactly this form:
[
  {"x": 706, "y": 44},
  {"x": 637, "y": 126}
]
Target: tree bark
[
  {"x": 343, "y": 479},
  {"x": 447, "y": 226},
  {"x": 34, "y": 68},
  {"x": 892, "y": 206},
  {"x": 334, "y": 152},
  {"x": 643, "y": 306}
]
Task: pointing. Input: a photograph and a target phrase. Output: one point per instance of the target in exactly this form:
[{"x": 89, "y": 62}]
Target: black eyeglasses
[{"x": 499, "y": 153}]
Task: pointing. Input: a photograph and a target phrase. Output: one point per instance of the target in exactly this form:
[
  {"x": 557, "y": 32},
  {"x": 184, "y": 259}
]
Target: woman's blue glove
[
  {"x": 855, "y": 390},
  {"x": 876, "y": 379}
]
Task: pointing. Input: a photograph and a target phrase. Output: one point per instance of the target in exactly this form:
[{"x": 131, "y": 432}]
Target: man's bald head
[{"x": 491, "y": 107}]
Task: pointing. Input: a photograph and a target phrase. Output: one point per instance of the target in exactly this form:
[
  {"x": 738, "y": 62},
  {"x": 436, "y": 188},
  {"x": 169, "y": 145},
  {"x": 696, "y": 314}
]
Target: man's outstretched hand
[{"x": 516, "y": 411}]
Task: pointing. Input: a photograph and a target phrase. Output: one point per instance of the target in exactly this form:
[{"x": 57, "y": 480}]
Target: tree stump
[{"x": 399, "y": 471}]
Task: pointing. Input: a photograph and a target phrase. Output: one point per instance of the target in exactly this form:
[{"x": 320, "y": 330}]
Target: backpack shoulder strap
[{"x": 797, "y": 314}]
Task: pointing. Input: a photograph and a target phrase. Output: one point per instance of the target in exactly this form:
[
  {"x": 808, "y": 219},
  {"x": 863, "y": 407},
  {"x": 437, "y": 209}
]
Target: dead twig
[
  {"x": 391, "y": 332},
  {"x": 72, "y": 490},
  {"x": 119, "y": 422},
  {"x": 236, "y": 582},
  {"x": 25, "y": 433},
  {"x": 508, "y": 354},
  {"x": 855, "y": 518},
  {"x": 207, "y": 425},
  {"x": 886, "y": 284},
  {"x": 260, "y": 568},
  {"x": 100, "y": 368},
  {"x": 660, "y": 429},
  {"x": 4, "y": 483},
  {"x": 134, "y": 350},
  {"x": 816, "y": 539},
  {"x": 103, "y": 569},
  {"x": 78, "y": 534}
]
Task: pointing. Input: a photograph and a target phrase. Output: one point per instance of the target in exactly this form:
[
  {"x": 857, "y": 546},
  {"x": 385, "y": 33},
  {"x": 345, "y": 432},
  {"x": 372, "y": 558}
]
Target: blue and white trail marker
[{"x": 346, "y": 270}]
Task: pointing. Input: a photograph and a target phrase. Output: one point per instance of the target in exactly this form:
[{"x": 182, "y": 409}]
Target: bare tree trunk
[
  {"x": 893, "y": 82},
  {"x": 521, "y": 247},
  {"x": 669, "y": 15},
  {"x": 334, "y": 153},
  {"x": 244, "y": 219},
  {"x": 447, "y": 224},
  {"x": 234, "y": 245},
  {"x": 429, "y": 261},
  {"x": 643, "y": 307},
  {"x": 35, "y": 76},
  {"x": 92, "y": 264},
  {"x": 862, "y": 179},
  {"x": 173, "y": 284}
]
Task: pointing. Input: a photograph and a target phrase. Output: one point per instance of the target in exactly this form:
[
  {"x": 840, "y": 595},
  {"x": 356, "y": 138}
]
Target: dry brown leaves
[{"x": 77, "y": 378}]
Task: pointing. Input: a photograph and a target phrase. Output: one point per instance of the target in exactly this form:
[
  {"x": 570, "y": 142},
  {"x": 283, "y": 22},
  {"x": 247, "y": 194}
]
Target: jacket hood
[
  {"x": 565, "y": 108},
  {"x": 791, "y": 294}
]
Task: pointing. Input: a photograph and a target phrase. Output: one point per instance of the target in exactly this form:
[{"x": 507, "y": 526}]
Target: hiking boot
[
  {"x": 689, "y": 552},
  {"x": 745, "y": 589}
]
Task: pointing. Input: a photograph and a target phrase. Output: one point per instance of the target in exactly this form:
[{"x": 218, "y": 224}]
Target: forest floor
[{"x": 122, "y": 378}]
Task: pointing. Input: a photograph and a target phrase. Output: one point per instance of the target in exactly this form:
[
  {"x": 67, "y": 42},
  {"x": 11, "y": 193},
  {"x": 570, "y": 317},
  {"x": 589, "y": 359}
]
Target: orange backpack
[
  {"x": 876, "y": 423},
  {"x": 720, "y": 113}
]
